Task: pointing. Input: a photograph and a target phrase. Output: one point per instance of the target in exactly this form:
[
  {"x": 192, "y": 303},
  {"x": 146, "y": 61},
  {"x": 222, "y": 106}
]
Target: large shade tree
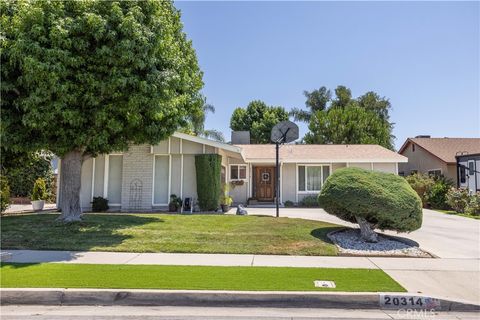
[
  {"x": 81, "y": 78},
  {"x": 259, "y": 119},
  {"x": 344, "y": 119}
]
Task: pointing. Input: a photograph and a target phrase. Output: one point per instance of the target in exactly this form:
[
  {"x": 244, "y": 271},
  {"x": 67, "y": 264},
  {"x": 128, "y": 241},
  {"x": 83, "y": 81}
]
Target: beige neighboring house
[
  {"x": 144, "y": 177},
  {"x": 436, "y": 156}
]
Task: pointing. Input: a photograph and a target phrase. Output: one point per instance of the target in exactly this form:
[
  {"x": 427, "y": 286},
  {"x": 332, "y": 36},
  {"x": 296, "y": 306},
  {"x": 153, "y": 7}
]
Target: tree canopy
[
  {"x": 343, "y": 119},
  {"x": 196, "y": 122},
  {"x": 259, "y": 119},
  {"x": 81, "y": 78}
]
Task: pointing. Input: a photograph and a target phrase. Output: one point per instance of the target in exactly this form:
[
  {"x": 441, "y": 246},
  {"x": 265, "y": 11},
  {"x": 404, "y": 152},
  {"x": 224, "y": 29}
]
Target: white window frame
[
  {"x": 306, "y": 176},
  {"x": 430, "y": 170},
  {"x": 238, "y": 172}
]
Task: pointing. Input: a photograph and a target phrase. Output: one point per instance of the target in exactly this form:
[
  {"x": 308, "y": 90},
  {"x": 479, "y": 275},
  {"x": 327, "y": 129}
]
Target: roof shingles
[
  {"x": 324, "y": 153},
  {"x": 447, "y": 148}
]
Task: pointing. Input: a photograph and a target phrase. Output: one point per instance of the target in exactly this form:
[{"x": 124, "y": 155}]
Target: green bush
[
  {"x": 384, "y": 200},
  {"x": 23, "y": 169},
  {"x": 309, "y": 202},
  {"x": 421, "y": 183},
  {"x": 4, "y": 193},
  {"x": 436, "y": 194},
  {"x": 175, "y": 203},
  {"x": 473, "y": 206},
  {"x": 288, "y": 204},
  {"x": 99, "y": 204},
  {"x": 39, "y": 190},
  {"x": 457, "y": 199},
  {"x": 209, "y": 189}
]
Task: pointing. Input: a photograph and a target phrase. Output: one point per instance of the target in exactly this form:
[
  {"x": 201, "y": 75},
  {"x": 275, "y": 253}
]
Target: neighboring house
[
  {"x": 142, "y": 178},
  {"x": 436, "y": 156},
  {"x": 469, "y": 172}
]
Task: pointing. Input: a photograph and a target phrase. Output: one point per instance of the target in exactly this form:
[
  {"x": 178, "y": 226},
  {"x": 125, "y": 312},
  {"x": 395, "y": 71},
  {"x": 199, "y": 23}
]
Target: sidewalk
[{"x": 447, "y": 278}]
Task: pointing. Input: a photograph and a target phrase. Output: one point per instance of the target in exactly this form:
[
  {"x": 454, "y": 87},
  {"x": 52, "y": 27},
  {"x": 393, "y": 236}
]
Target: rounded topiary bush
[{"x": 373, "y": 200}]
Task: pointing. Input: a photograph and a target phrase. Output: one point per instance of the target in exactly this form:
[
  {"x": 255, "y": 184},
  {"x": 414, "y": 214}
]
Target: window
[
  {"x": 462, "y": 174},
  {"x": 311, "y": 178},
  {"x": 161, "y": 180},
  {"x": 413, "y": 148},
  {"x": 471, "y": 170},
  {"x": 435, "y": 173},
  {"x": 413, "y": 171},
  {"x": 401, "y": 173},
  {"x": 114, "y": 190},
  {"x": 238, "y": 172}
]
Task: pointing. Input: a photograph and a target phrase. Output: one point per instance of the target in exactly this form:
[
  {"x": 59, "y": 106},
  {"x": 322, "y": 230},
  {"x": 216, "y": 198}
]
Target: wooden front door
[{"x": 265, "y": 183}]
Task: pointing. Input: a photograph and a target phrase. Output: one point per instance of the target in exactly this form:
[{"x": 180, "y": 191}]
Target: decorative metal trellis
[{"x": 136, "y": 191}]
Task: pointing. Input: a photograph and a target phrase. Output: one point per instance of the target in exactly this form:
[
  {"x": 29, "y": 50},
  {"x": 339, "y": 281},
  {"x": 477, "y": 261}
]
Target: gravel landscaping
[{"x": 349, "y": 242}]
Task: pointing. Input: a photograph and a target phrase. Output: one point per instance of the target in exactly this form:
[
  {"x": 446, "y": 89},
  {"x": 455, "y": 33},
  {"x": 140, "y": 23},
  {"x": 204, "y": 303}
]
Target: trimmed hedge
[
  {"x": 209, "y": 188},
  {"x": 385, "y": 200}
]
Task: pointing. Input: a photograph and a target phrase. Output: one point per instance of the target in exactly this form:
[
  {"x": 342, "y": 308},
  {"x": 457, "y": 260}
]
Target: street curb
[{"x": 204, "y": 298}]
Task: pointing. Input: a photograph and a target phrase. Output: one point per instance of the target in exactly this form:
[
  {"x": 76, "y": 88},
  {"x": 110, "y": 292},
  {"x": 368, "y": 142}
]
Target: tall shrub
[
  {"x": 458, "y": 199},
  {"x": 22, "y": 169},
  {"x": 209, "y": 188},
  {"x": 473, "y": 206},
  {"x": 421, "y": 183},
  {"x": 4, "y": 193},
  {"x": 437, "y": 193}
]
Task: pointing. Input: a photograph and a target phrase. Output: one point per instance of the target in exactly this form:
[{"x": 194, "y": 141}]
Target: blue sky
[{"x": 423, "y": 56}]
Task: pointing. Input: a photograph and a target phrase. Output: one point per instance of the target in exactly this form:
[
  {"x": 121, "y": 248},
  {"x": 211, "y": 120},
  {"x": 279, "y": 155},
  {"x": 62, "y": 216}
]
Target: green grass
[
  {"x": 170, "y": 233},
  {"x": 452, "y": 212},
  {"x": 56, "y": 275}
]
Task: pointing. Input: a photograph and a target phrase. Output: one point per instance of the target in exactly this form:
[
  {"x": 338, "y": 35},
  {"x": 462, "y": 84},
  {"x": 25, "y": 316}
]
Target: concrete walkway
[{"x": 457, "y": 279}]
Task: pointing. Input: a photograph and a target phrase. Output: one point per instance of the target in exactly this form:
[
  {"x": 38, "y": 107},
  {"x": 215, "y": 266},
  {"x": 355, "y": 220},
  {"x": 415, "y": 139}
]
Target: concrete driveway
[{"x": 443, "y": 235}]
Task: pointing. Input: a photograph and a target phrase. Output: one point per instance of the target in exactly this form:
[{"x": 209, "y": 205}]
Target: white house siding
[
  {"x": 336, "y": 166},
  {"x": 137, "y": 170},
  {"x": 289, "y": 182},
  {"x": 385, "y": 167},
  {"x": 366, "y": 166},
  {"x": 176, "y": 175},
  {"x": 189, "y": 177}
]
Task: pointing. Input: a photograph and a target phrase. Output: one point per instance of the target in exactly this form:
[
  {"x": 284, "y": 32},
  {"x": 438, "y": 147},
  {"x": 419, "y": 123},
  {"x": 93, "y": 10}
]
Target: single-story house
[
  {"x": 468, "y": 173},
  {"x": 436, "y": 156},
  {"x": 144, "y": 177}
]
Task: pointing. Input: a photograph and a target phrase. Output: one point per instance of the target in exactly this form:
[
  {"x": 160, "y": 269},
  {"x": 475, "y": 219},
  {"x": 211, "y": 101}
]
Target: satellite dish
[{"x": 284, "y": 132}]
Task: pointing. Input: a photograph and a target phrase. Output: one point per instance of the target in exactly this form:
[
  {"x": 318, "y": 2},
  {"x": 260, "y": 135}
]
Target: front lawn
[
  {"x": 170, "y": 233},
  {"x": 452, "y": 212},
  {"x": 59, "y": 275}
]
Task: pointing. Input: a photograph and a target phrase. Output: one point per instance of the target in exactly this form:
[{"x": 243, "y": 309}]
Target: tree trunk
[
  {"x": 366, "y": 230},
  {"x": 70, "y": 181}
]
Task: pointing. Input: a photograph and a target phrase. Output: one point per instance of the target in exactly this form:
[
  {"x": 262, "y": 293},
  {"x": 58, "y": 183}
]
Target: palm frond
[{"x": 213, "y": 134}]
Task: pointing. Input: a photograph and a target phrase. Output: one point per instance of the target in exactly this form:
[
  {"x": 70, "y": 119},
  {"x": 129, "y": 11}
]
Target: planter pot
[
  {"x": 38, "y": 205},
  {"x": 225, "y": 208}
]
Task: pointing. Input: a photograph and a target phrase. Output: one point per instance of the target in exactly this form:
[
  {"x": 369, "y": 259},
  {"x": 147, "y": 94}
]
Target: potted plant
[
  {"x": 225, "y": 203},
  {"x": 225, "y": 200},
  {"x": 175, "y": 203},
  {"x": 39, "y": 194}
]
